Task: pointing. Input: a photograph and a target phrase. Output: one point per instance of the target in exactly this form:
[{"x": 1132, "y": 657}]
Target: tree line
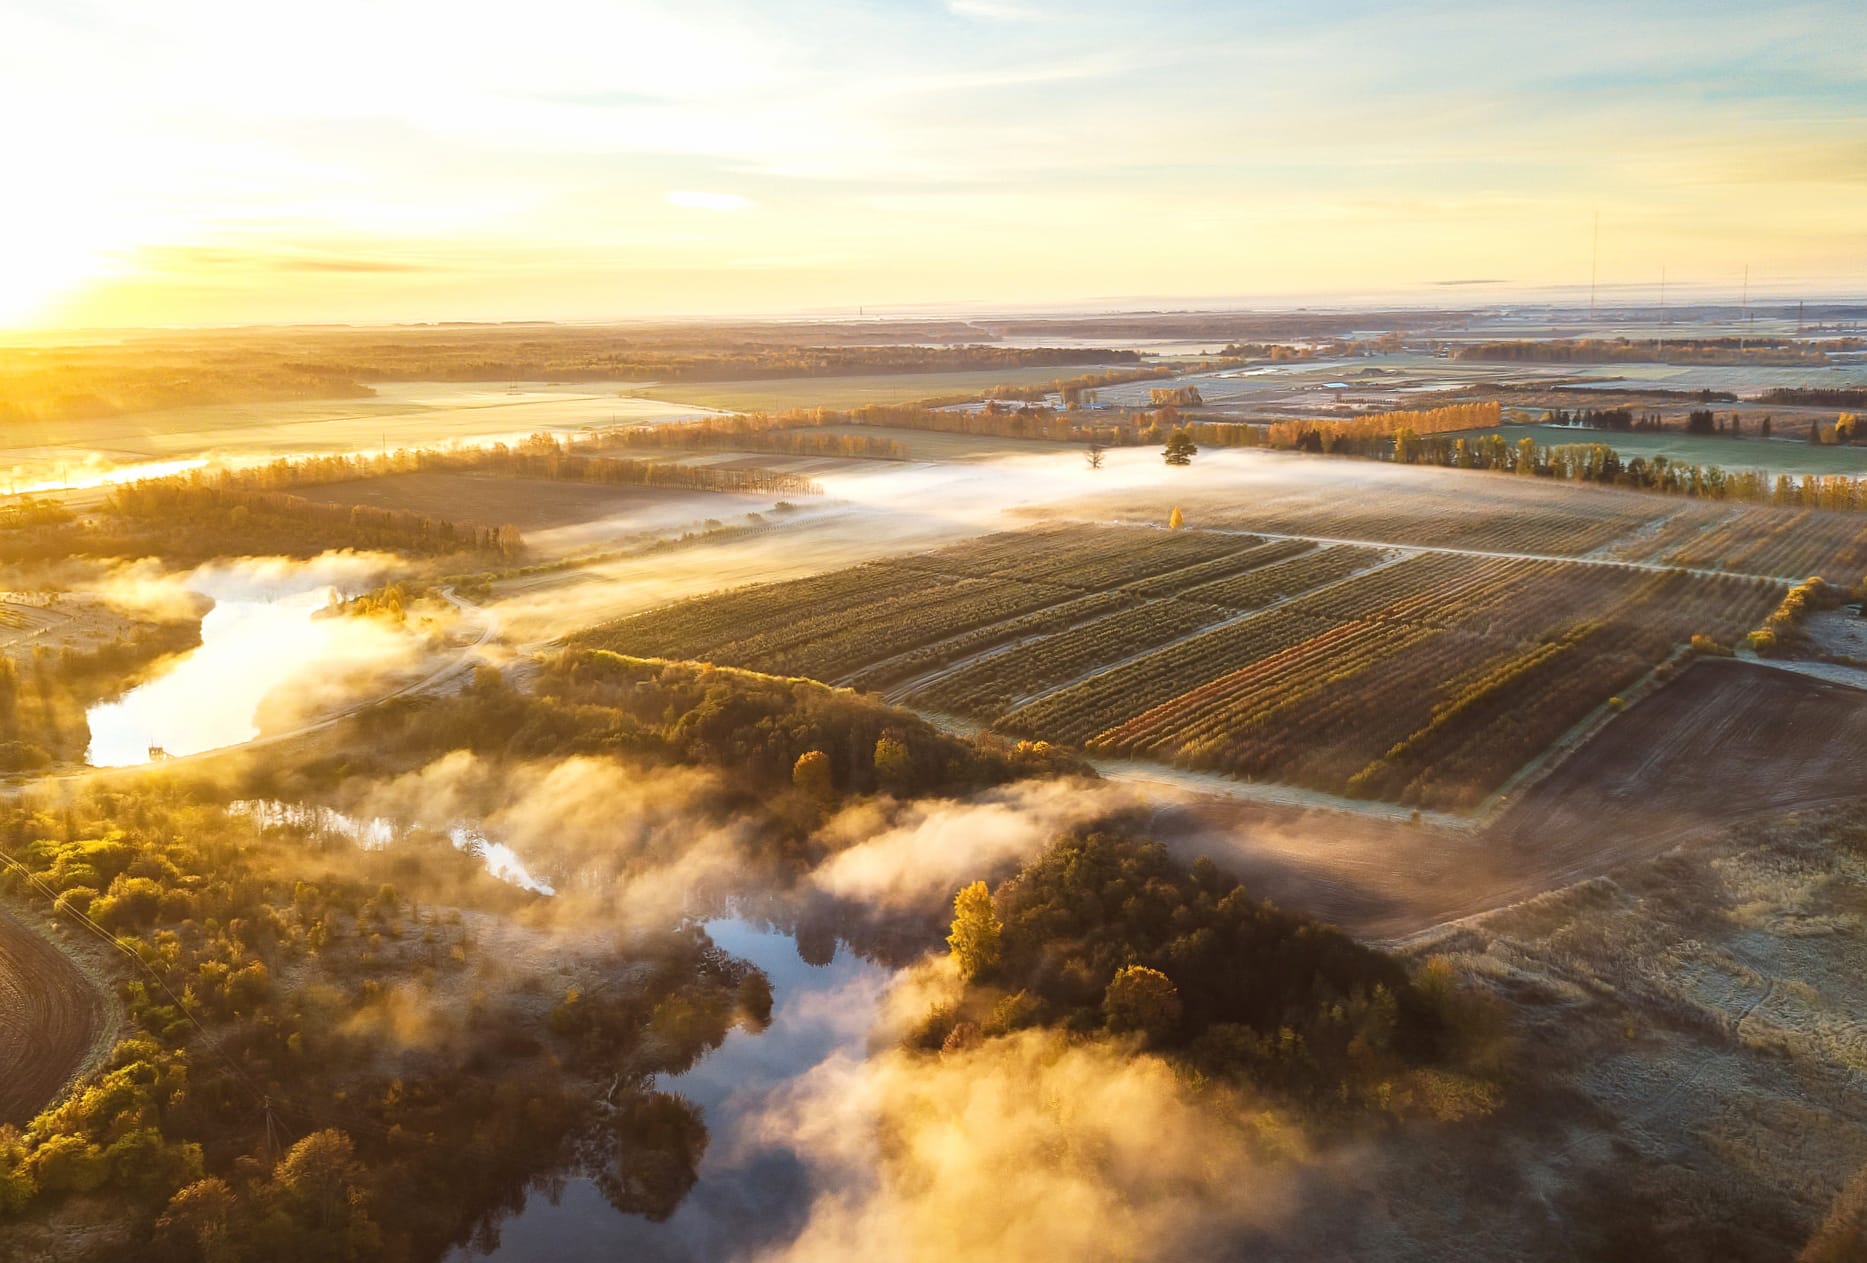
[
  {"x": 1600, "y": 463},
  {"x": 1772, "y": 351},
  {"x": 555, "y": 457}
]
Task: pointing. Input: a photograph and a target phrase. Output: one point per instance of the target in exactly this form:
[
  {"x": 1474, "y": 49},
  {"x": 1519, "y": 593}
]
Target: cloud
[
  {"x": 690, "y": 199},
  {"x": 991, "y": 11}
]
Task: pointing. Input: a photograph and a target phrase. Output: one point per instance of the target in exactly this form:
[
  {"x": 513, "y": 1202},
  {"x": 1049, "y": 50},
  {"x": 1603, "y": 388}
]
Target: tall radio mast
[{"x": 1594, "y": 265}]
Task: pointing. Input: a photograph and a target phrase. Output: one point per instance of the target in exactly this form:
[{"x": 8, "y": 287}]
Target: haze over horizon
[{"x": 206, "y": 163}]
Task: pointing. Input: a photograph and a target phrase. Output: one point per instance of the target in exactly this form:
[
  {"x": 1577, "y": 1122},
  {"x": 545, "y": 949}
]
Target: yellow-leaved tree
[{"x": 976, "y": 927}]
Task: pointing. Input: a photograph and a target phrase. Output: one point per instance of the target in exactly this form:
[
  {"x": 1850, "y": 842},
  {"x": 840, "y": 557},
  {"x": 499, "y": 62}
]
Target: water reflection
[
  {"x": 747, "y": 1192},
  {"x": 262, "y": 641},
  {"x": 376, "y": 832}
]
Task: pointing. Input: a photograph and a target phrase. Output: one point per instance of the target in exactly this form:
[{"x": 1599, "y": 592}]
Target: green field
[{"x": 1778, "y": 456}]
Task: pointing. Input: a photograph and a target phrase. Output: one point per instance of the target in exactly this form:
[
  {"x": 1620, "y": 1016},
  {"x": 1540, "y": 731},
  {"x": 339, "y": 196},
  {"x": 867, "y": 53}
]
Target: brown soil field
[
  {"x": 50, "y": 1017},
  {"x": 527, "y": 503},
  {"x": 1725, "y": 741}
]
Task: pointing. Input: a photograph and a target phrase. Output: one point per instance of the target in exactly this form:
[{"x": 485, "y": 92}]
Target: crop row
[
  {"x": 1427, "y": 681},
  {"x": 1443, "y": 522},
  {"x": 1347, "y": 686},
  {"x": 1092, "y": 705},
  {"x": 698, "y": 627},
  {"x": 988, "y": 687},
  {"x": 834, "y": 646},
  {"x": 992, "y": 685},
  {"x": 1091, "y": 558},
  {"x": 1180, "y": 582},
  {"x": 1258, "y": 588},
  {"x": 1787, "y": 543},
  {"x": 903, "y": 666},
  {"x": 1202, "y": 725}
]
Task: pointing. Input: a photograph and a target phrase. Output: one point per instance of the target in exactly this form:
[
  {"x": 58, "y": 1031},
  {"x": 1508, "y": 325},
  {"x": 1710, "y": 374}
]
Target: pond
[{"x": 750, "y": 1194}]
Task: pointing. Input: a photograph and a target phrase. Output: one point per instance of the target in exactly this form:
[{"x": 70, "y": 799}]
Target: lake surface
[
  {"x": 751, "y": 1194},
  {"x": 262, "y": 636}
]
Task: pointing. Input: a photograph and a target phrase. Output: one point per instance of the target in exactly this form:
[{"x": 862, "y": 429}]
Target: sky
[{"x": 199, "y": 162}]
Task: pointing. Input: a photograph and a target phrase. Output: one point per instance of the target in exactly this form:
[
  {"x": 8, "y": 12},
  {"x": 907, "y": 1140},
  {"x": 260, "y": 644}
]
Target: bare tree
[{"x": 1094, "y": 455}]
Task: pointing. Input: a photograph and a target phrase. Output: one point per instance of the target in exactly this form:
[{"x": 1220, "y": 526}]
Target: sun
[{"x": 44, "y": 260}]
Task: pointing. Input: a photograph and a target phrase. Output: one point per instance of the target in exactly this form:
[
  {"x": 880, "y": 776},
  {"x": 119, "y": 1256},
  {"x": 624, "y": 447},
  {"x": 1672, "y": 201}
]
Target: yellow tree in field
[
  {"x": 976, "y": 927},
  {"x": 1176, "y": 519}
]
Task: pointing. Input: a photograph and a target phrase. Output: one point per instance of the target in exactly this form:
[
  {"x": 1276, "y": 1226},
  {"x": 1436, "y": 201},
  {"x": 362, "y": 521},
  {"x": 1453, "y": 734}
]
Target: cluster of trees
[
  {"x": 217, "y": 521},
  {"x": 1106, "y": 933},
  {"x": 201, "y": 514},
  {"x": 1176, "y": 397},
  {"x": 390, "y": 1150},
  {"x": 1324, "y": 348},
  {"x": 1782, "y": 631},
  {"x": 1599, "y": 463},
  {"x": 551, "y": 456},
  {"x": 1774, "y": 351},
  {"x": 1370, "y": 434},
  {"x": 1620, "y": 420},
  {"x": 748, "y": 433},
  {"x": 1075, "y": 392},
  {"x": 612, "y": 355},
  {"x": 82, "y": 383},
  {"x": 662, "y": 713},
  {"x": 1703, "y": 423},
  {"x": 1817, "y": 397}
]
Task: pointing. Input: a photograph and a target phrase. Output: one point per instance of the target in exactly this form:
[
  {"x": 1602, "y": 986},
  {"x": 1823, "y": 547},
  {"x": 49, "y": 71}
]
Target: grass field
[
  {"x": 778, "y": 394},
  {"x": 1419, "y": 677}
]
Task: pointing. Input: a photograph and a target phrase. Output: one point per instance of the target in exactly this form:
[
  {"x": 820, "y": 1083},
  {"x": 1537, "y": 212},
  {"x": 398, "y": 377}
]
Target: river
[
  {"x": 261, "y": 638},
  {"x": 750, "y": 1193}
]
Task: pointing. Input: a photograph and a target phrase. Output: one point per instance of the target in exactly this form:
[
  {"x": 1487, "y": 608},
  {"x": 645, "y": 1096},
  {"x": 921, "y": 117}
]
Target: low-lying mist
[{"x": 1025, "y": 1147}]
